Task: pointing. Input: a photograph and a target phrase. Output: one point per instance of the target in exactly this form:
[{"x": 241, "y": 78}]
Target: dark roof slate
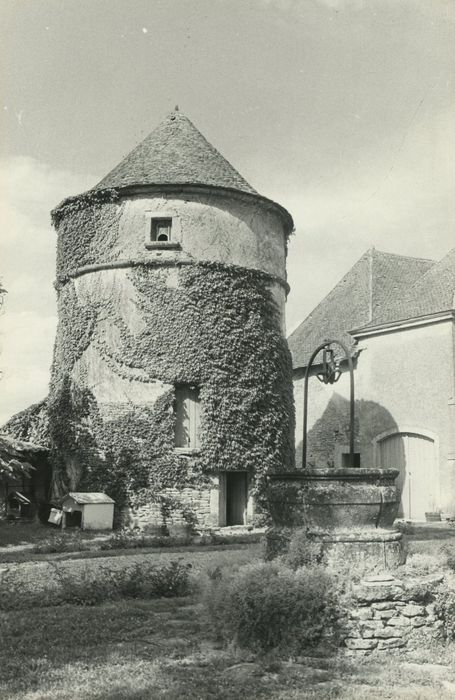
[
  {"x": 429, "y": 293},
  {"x": 175, "y": 153},
  {"x": 364, "y": 295}
]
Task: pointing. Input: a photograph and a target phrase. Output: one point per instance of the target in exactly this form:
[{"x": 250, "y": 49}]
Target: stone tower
[{"x": 171, "y": 383}]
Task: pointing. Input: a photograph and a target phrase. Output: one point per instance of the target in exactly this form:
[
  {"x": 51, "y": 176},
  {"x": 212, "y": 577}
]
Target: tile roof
[
  {"x": 429, "y": 293},
  {"x": 175, "y": 153},
  {"x": 82, "y": 497},
  {"x": 365, "y": 294}
]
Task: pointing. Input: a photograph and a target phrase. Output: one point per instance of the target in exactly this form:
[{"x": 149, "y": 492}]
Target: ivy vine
[{"x": 216, "y": 326}]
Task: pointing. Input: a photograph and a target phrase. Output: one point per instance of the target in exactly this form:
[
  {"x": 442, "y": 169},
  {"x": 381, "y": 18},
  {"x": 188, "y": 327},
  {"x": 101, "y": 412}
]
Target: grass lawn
[
  {"x": 429, "y": 537},
  {"x": 163, "y": 649},
  {"x": 19, "y": 532}
]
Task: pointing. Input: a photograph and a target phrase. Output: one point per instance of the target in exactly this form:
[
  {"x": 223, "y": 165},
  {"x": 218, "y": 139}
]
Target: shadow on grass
[{"x": 70, "y": 634}]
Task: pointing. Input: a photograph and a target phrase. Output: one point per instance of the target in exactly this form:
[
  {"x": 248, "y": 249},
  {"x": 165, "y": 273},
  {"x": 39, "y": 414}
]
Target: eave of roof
[
  {"x": 365, "y": 292},
  {"x": 400, "y": 324},
  {"x": 192, "y": 188}
]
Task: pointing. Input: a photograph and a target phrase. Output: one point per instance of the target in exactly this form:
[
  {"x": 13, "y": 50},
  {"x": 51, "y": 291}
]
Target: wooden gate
[{"x": 414, "y": 454}]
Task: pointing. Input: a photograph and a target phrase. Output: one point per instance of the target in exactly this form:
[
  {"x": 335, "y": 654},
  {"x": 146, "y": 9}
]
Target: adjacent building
[{"x": 396, "y": 314}]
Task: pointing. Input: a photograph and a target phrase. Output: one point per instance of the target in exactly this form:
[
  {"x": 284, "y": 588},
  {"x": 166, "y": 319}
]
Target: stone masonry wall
[
  {"x": 393, "y": 614},
  {"x": 190, "y": 500}
]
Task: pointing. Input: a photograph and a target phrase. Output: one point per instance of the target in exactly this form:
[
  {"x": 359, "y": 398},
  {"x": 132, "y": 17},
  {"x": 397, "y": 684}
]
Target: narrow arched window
[{"x": 187, "y": 417}]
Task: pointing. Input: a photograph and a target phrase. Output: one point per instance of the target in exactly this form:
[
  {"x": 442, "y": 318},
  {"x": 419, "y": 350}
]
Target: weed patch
[{"x": 89, "y": 588}]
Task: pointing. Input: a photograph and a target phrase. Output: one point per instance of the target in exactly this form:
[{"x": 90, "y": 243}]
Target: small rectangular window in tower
[
  {"x": 187, "y": 420},
  {"x": 160, "y": 230}
]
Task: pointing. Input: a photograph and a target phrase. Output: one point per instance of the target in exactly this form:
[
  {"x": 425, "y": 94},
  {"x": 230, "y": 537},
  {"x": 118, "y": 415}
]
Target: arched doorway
[{"x": 413, "y": 452}]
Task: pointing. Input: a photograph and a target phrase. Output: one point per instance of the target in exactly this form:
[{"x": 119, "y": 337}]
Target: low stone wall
[
  {"x": 391, "y": 613},
  {"x": 198, "y": 502}
]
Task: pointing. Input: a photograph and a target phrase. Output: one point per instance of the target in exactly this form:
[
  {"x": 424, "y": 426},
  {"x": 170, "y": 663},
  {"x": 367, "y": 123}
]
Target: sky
[{"x": 340, "y": 110}]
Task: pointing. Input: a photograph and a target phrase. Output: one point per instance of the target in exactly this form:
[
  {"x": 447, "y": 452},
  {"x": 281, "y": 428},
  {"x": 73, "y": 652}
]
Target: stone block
[
  {"x": 384, "y": 605},
  {"x": 431, "y": 610},
  {"x": 413, "y": 610},
  {"x": 387, "y": 633},
  {"x": 369, "y": 593},
  {"x": 371, "y": 624},
  {"x": 383, "y": 578},
  {"x": 365, "y": 613},
  {"x": 385, "y": 614},
  {"x": 418, "y": 621},
  {"x": 367, "y": 633},
  {"x": 391, "y": 643},
  {"x": 361, "y": 644},
  {"x": 399, "y": 622}
]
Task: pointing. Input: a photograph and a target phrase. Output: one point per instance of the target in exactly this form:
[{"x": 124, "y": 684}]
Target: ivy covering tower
[{"x": 171, "y": 384}]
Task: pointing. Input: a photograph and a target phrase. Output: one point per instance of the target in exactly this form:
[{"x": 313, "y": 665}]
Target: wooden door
[
  {"x": 236, "y": 497},
  {"x": 414, "y": 455}
]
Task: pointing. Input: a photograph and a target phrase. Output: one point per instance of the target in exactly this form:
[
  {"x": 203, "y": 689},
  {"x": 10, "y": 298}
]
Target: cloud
[
  {"x": 26, "y": 352},
  {"x": 28, "y": 191}
]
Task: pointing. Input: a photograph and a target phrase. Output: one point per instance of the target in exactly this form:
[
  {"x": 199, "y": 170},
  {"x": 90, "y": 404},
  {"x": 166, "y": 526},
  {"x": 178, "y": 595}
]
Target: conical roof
[{"x": 175, "y": 153}]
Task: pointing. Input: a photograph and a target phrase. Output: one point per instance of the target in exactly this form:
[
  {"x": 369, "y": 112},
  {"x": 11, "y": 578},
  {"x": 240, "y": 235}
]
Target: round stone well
[{"x": 350, "y": 511}]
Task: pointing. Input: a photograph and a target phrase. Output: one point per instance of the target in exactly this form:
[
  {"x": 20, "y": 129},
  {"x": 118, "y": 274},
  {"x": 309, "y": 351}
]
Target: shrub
[
  {"x": 125, "y": 539},
  {"x": 445, "y": 611},
  {"x": 303, "y": 551},
  {"x": 169, "y": 581},
  {"x": 81, "y": 587},
  {"x": 276, "y": 542},
  {"x": 61, "y": 543},
  {"x": 269, "y": 606},
  {"x": 143, "y": 580},
  {"x": 85, "y": 586},
  {"x": 421, "y": 563},
  {"x": 190, "y": 519},
  {"x": 449, "y": 552}
]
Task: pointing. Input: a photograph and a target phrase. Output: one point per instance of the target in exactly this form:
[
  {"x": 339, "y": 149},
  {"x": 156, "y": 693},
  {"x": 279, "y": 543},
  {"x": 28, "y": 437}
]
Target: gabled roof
[
  {"x": 175, "y": 153},
  {"x": 85, "y": 498},
  {"x": 365, "y": 294},
  {"x": 430, "y": 293}
]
